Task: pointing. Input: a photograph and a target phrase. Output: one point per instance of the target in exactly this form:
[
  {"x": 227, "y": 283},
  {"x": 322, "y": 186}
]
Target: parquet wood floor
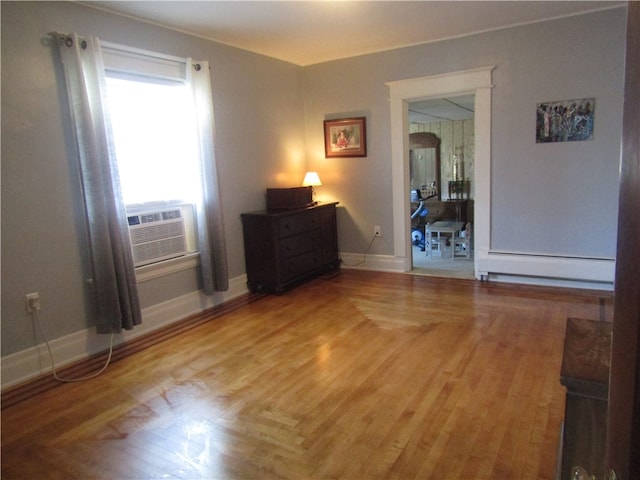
[{"x": 360, "y": 376}]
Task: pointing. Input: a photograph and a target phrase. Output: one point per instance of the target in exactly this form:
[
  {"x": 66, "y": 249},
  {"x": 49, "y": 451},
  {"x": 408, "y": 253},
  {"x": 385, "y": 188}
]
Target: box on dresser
[
  {"x": 289, "y": 198},
  {"x": 284, "y": 247}
]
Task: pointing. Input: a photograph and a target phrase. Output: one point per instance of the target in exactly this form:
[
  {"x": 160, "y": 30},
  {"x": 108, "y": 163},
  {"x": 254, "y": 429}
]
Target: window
[
  {"x": 86, "y": 63},
  {"x": 156, "y": 141},
  {"x": 154, "y": 123}
]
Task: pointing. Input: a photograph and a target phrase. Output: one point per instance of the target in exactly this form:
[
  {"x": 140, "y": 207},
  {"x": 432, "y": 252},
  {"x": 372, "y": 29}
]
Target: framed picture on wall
[
  {"x": 345, "y": 137},
  {"x": 565, "y": 121}
]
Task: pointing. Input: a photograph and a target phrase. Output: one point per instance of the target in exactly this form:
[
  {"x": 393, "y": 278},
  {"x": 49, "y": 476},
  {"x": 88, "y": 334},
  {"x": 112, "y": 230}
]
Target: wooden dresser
[
  {"x": 451, "y": 210},
  {"x": 585, "y": 374},
  {"x": 283, "y": 247}
]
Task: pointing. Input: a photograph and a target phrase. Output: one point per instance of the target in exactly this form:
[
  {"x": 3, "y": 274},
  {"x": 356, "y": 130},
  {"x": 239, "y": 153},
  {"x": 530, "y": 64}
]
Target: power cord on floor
[
  {"x": 53, "y": 365},
  {"x": 364, "y": 256}
]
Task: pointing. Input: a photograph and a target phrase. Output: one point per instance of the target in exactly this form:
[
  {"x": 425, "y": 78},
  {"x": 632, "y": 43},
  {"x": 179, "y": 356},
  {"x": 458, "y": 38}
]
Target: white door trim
[{"x": 402, "y": 92}]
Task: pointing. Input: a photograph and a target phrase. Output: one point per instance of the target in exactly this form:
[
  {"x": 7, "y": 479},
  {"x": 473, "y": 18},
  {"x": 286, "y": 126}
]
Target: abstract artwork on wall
[{"x": 565, "y": 121}]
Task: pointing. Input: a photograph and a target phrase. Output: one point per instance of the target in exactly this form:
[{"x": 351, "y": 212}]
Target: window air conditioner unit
[{"x": 157, "y": 235}]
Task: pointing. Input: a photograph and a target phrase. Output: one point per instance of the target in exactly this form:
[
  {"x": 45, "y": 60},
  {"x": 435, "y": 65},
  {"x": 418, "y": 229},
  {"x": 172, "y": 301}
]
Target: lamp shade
[{"x": 311, "y": 179}]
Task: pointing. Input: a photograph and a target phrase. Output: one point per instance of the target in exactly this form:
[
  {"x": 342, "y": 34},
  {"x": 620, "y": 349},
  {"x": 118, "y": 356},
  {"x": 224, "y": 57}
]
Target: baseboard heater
[{"x": 157, "y": 235}]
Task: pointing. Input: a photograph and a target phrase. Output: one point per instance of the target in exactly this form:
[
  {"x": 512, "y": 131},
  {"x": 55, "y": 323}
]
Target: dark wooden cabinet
[
  {"x": 449, "y": 210},
  {"x": 585, "y": 374},
  {"x": 286, "y": 246}
]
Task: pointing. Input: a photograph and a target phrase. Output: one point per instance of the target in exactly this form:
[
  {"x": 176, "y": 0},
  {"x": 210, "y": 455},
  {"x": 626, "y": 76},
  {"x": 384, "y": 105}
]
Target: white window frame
[{"x": 130, "y": 62}]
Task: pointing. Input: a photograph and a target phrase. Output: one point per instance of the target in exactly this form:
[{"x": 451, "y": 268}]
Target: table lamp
[{"x": 311, "y": 179}]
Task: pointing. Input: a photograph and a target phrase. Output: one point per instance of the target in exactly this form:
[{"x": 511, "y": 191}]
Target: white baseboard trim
[
  {"x": 549, "y": 282},
  {"x": 384, "y": 263},
  {"x": 531, "y": 269},
  {"x": 27, "y": 364},
  {"x": 597, "y": 272}
]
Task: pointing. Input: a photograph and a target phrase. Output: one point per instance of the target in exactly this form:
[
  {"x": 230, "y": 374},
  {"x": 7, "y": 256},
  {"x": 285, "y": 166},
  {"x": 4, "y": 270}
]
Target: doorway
[
  {"x": 441, "y": 138},
  {"x": 475, "y": 82}
]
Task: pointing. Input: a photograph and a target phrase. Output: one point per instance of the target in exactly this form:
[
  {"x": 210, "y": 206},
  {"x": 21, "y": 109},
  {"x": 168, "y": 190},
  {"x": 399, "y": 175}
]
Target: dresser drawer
[
  {"x": 298, "y": 244},
  {"x": 301, "y": 265},
  {"x": 294, "y": 224}
]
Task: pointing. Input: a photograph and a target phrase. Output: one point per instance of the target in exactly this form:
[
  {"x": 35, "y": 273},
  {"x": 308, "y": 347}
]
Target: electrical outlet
[
  {"x": 33, "y": 302},
  {"x": 377, "y": 232}
]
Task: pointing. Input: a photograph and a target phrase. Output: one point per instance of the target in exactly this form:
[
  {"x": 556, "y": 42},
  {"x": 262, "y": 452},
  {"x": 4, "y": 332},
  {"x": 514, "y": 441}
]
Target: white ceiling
[
  {"x": 310, "y": 32},
  {"x": 442, "y": 109}
]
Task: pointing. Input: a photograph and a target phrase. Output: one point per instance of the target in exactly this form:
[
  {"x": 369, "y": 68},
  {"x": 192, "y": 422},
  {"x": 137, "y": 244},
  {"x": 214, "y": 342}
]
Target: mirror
[{"x": 424, "y": 166}]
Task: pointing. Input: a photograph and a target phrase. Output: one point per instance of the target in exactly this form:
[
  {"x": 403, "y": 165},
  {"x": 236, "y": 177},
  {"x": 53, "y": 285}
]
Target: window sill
[{"x": 167, "y": 267}]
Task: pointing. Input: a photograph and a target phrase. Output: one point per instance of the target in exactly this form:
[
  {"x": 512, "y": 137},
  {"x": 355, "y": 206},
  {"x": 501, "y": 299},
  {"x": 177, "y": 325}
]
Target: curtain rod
[{"x": 66, "y": 39}]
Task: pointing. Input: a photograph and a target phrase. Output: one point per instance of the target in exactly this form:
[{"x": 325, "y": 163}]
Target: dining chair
[
  {"x": 434, "y": 242},
  {"x": 462, "y": 243}
]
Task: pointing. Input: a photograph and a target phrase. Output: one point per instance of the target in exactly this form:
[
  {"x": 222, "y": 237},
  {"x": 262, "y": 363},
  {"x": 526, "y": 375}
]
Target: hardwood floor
[{"x": 363, "y": 375}]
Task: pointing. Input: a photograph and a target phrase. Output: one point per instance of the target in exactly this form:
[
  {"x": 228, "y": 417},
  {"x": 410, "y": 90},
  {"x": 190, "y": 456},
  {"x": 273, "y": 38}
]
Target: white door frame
[{"x": 402, "y": 92}]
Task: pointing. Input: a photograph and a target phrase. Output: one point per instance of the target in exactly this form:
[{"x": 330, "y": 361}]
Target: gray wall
[
  {"x": 259, "y": 143},
  {"x": 558, "y": 199}
]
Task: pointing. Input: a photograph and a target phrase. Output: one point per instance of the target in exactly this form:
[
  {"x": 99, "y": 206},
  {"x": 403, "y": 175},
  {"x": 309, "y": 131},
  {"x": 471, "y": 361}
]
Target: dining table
[{"x": 443, "y": 227}]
